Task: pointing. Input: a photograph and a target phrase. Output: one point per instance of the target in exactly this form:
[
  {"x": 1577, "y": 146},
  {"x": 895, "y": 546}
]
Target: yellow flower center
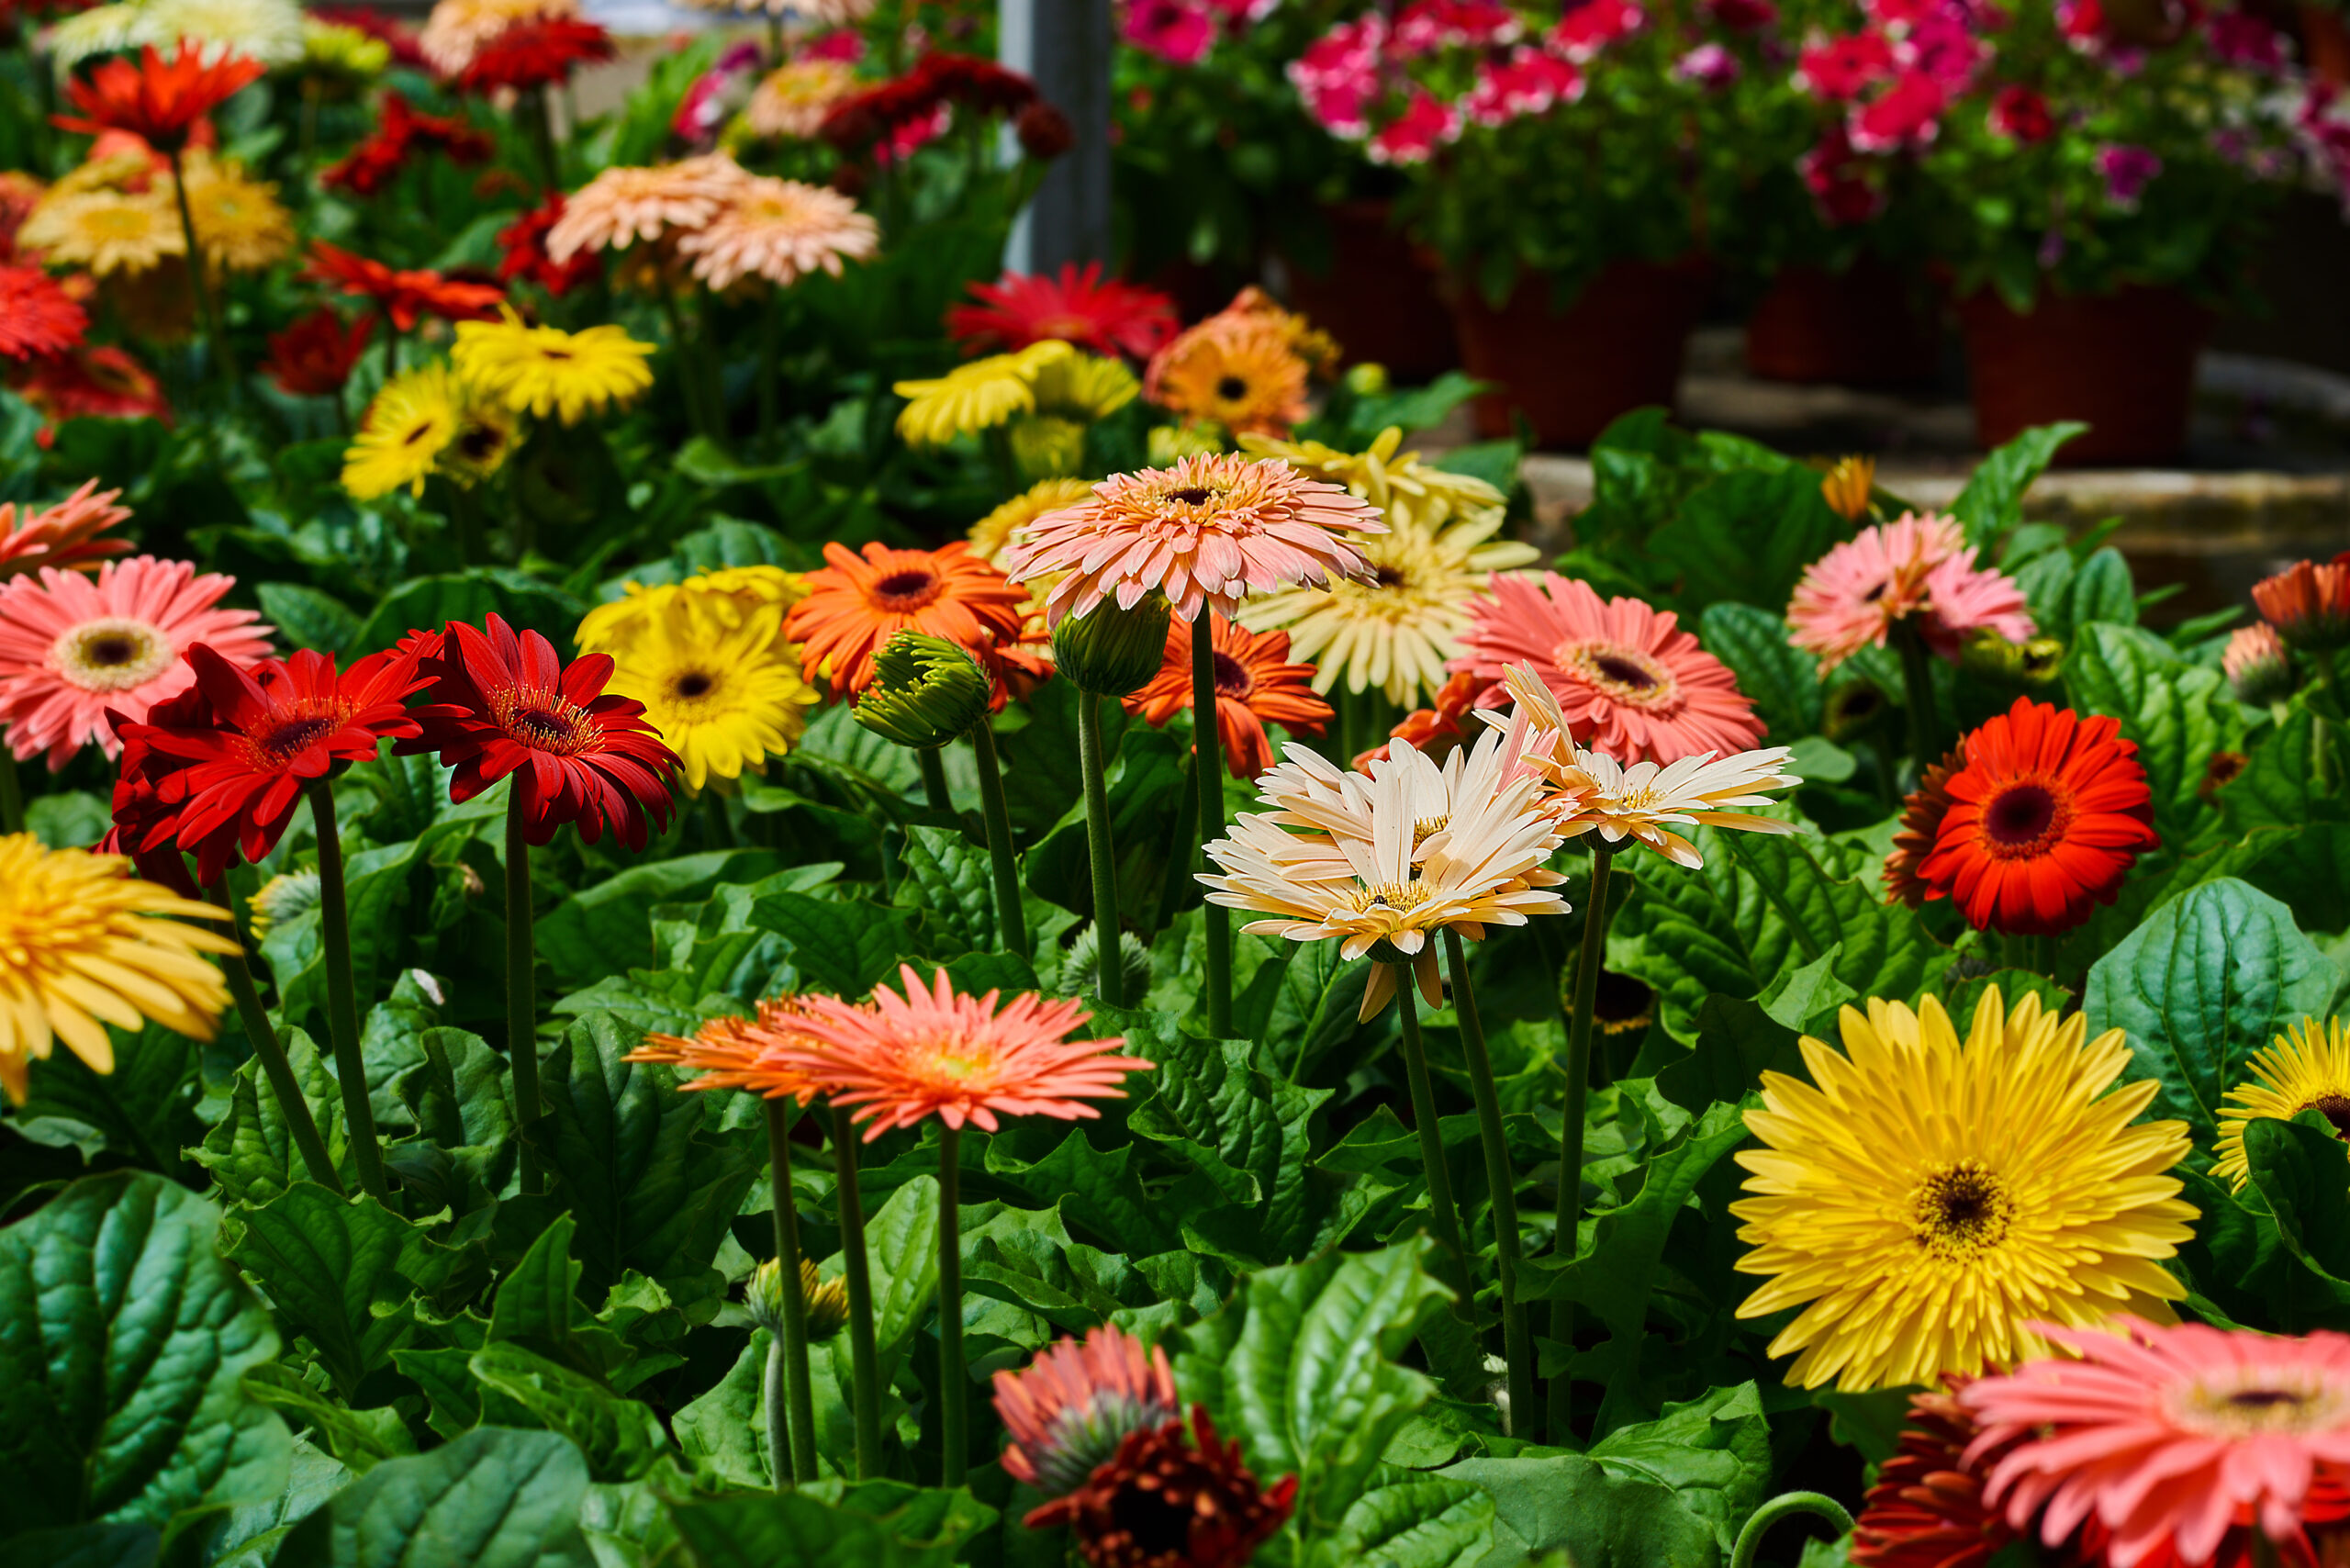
[
  {"x": 2254, "y": 1401},
  {"x": 1622, "y": 674},
  {"x": 1961, "y": 1211},
  {"x": 1397, "y": 896},
  {"x": 1426, "y": 828},
  {"x": 114, "y": 653}
]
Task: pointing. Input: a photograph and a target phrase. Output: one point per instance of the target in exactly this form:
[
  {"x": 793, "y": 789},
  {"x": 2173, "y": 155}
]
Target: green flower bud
[
  {"x": 825, "y": 1301},
  {"x": 926, "y": 691},
  {"x": 2040, "y": 660},
  {"x": 1169, "y": 443},
  {"x": 1081, "y": 963},
  {"x": 1368, "y": 379},
  {"x": 1110, "y": 652},
  {"x": 1044, "y": 446}
]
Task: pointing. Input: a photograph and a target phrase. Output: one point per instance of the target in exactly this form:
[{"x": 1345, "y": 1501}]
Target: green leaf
[
  {"x": 84, "y": 1546},
  {"x": 1992, "y": 502},
  {"x": 361, "y": 1440},
  {"x": 251, "y": 1153},
  {"x": 2212, "y": 977},
  {"x": 845, "y": 948},
  {"x": 378, "y": 886},
  {"x": 493, "y": 1498},
  {"x": 873, "y": 1525},
  {"x": 432, "y": 602},
  {"x": 145, "y": 1109},
  {"x": 2278, "y": 784},
  {"x": 620, "y": 1438},
  {"x": 724, "y": 1432},
  {"x": 1095, "y": 1187},
  {"x": 1748, "y": 535},
  {"x": 946, "y": 877},
  {"x": 1714, "y": 1453},
  {"x": 339, "y": 1270},
  {"x": 903, "y": 1239},
  {"x": 2298, "y": 1166},
  {"x": 1588, "y": 1513},
  {"x": 1409, "y": 1520},
  {"x": 1041, "y": 779},
  {"x": 1782, "y": 680},
  {"x": 127, "y": 1337},
  {"x": 1737, "y": 1042},
  {"x": 306, "y": 618},
  {"x": 74, "y": 820},
  {"x": 2178, "y": 713},
  {"x": 608, "y": 926}
]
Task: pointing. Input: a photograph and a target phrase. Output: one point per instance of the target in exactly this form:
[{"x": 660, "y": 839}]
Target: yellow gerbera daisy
[
  {"x": 737, "y": 593},
  {"x": 487, "y": 431},
  {"x": 104, "y": 230},
  {"x": 992, "y": 532},
  {"x": 1407, "y": 489},
  {"x": 544, "y": 370},
  {"x": 720, "y": 687},
  {"x": 1928, "y": 1198},
  {"x": 2308, "y": 1068},
  {"x": 238, "y": 219},
  {"x": 1084, "y": 387},
  {"x": 88, "y": 945},
  {"x": 412, "y": 421},
  {"x": 976, "y": 397}
]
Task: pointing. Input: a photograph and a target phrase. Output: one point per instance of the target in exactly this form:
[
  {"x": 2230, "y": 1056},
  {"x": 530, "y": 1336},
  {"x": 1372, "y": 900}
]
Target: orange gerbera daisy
[
  {"x": 63, "y": 535},
  {"x": 1922, "y": 822},
  {"x": 856, "y": 603},
  {"x": 937, "y": 1053},
  {"x": 1254, "y": 683},
  {"x": 1240, "y": 371},
  {"x": 738, "y": 1053},
  {"x": 2308, "y": 603},
  {"x": 156, "y": 100}
]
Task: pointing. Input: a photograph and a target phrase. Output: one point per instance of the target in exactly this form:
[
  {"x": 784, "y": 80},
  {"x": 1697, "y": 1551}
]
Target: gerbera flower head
[
  {"x": 457, "y": 30},
  {"x": 1407, "y": 492},
  {"x": 1070, "y": 1409},
  {"x": 1243, "y": 372},
  {"x": 405, "y": 298},
  {"x": 2046, "y": 818},
  {"x": 737, "y": 1053},
  {"x": 975, "y": 397},
  {"x": 1927, "y": 1509},
  {"x": 2169, "y": 1438},
  {"x": 315, "y": 356},
  {"x": 63, "y": 535},
  {"x": 106, "y": 232},
  {"x": 1915, "y": 566},
  {"x": 545, "y": 370},
  {"x": 823, "y": 1303},
  {"x": 38, "y": 317},
  {"x": 541, "y": 51},
  {"x": 2306, "y": 1069},
  {"x": 627, "y": 206},
  {"x": 93, "y": 382},
  {"x": 412, "y": 420},
  {"x": 858, "y": 601},
  {"x": 932, "y": 1052},
  {"x": 2309, "y": 604},
  {"x": 1078, "y": 308},
  {"x": 502, "y": 703},
  {"x": 239, "y": 223},
  {"x": 400, "y": 134},
  {"x": 720, "y": 689},
  {"x": 1929, "y": 1201},
  {"x": 735, "y": 594},
  {"x": 1921, "y": 826},
  {"x": 1256, "y": 684},
  {"x": 792, "y": 100},
  {"x": 74, "y": 650},
  {"x": 1171, "y": 1496},
  {"x": 524, "y": 246},
  {"x": 780, "y": 231},
  {"x": 1630, "y": 681},
  {"x": 88, "y": 946},
  {"x": 1204, "y": 533},
  {"x": 2256, "y": 665},
  {"x": 158, "y": 101}
]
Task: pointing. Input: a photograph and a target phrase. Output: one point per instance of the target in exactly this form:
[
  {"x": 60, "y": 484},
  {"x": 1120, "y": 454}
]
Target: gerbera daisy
[
  {"x": 1926, "y": 1200},
  {"x": 1253, "y": 305},
  {"x": 737, "y": 1053},
  {"x": 2307, "y": 1069},
  {"x": 975, "y": 397},
  {"x": 991, "y": 534},
  {"x": 542, "y": 51},
  {"x": 64, "y": 535},
  {"x": 156, "y": 100},
  {"x": 267, "y": 30},
  {"x": 2256, "y": 665},
  {"x": 1927, "y": 1509},
  {"x": 405, "y": 298},
  {"x": 1069, "y": 1410},
  {"x": 1395, "y": 633},
  {"x": 1243, "y": 374},
  {"x": 401, "y": 132},
  {"x": 2046, "y": 818},
  {"x": 238, "y": 223},
  {"x": 74, "y": 650},
  {"x": 88, "y": 946},
  {"x": 794, "y": 99},
  {"x": 37, "y": 316},
  {"x": 1630, "y": 681},
  {"x": 93, "y": 382},
  {"x": 457, "y": 28},
  {"x": 935, "y": 1052},
  {"x": 1913, "y": 568},
  {"x": 409, "y": 424},
  {"x": 1407, "y": 492},
  {"x": 503, "y": 703},
  {"x": 1204, "y": 533},
  {"x": 720, "y": 690},
  {"x": 106, "y": 232},
  {"x": 234, "y": 769},
  {"x": 2309, "y": 604},
  {"x": 1921, "y": 825},
  {"x": 1078, "y": 308},
  {"x": 2168, "y": 1436},
  {"x": 859, "y": 603},
  {"x": 780, "y": 231},
  {"x": 735, "y": 593},
  {"x": 545, "y": 370},
  {"x": 315, "y": 356},
  {"x": 1171, "y": 1495},
  {"x": 1255, "y": 684},
  {"x": 624, "y": 206}
]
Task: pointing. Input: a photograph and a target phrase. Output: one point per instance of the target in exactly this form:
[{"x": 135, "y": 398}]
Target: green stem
[
  {"x": 865, "y": 1368},
  {"x": 342, "y": 998},
  {"x": 1918, "y": 687},
  {"x": 1563, "y": 1311},
  {"x": 953, "y": 1383},
  {"x": 465, "y": 525},
  {"x": 1207, "y": 770},
  {"x": 1500, "y": 1177},
  {"x": 521, "y": 993},
  {"x": 12, "y": 795},
  {"x": 770, "y": 330},
  {"x": 215, "y": 330},
  {"x": 688, "y": 383},
  {"x": 932, "y": 762},
  {"x": 291, "y": 1105},
  {"x": 2325, "y": 767},
  {"x": 1444, "y": 1215},
  {"x": 1111, "y": 985},
  {"x": 1010, "y": 915},
  {"x": 536, "y": 109},
  {"x": 790, "y": 1396},
  {"x": 1750, "y": 1539}
]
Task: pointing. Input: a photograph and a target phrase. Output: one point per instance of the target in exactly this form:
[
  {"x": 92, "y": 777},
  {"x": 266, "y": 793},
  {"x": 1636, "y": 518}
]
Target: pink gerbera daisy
[
  {"x": 938, "y": 1053},
  {"x": 71, "y": 650},
  {"x": 1210, "y": 529},
  {"x": 1076, "y": 1402},
  {"x": 64, "y": 535},
  {"x": 1631, "y": 683},
  {"x": 2167, "y": 1438},
  {"x": 1918, "y": 566}
]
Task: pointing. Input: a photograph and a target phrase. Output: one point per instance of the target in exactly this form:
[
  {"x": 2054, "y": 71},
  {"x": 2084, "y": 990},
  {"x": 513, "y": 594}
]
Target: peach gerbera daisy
[
  {"x": 1213, "y": 528},
  {"x": 72, "y": 651},
  {"x": 1629, "y": 680},
  {"x": 855, "y": 603},
  {"x": 63, "y": 535},
  {"x": 737, "y": 1053},
  {"x": 794, "y": 99},
  {"x": 456, "y": 30},
  {"x": 1918, "y": 566},
  {"x": 621, "y": 207},
  {"x": 780, "y": 231},
  {"x": 901, "y": 1059}
]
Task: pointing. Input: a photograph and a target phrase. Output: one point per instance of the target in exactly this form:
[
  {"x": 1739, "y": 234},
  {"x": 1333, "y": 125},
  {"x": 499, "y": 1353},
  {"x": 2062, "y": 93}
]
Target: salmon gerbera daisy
[
  {"x": 1072, "y": 1406},
  {"x": 779, "y": 231},
  {"x": 1255, "y": 684},
  {"x": 2309, "y": 603},
  {"x": 62, "y": 535},
  {"x": 1916, "y": 569},
  {"x": 857, "y": 602},
  {"x": 625, "y": 205}
]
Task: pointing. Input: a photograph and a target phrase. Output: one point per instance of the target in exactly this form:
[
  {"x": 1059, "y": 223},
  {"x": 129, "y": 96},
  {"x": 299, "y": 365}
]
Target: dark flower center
[
  {"x": 1157, "y": 1524},
  {"x": 417, "y": 434},
  {"x": 2334, "y": 1108},
  {"x": 1960, "y": 1210},
  {"x": 2264, "y": 1398},
  {"x": 1390, "y": 577},
  {"x": 108, "y": 652},
  {"x": 1620, "y": 1005},
  {"x": 2024, "y": 820},
  {"x": 1875, "y": 593},
  {"x": 478, "y": 441},
  {"x": 544, "y": 721},
  {"x": 1197, "y": 496},
  {"x": 293, "y": 735},
  {"x": 908, "y": 589},
  {"x": 1625, "y": 675},
  {"x": 1231, "y": 388},
  {"x": 1232, "y": 677},
  {"x": 1625, "y": 671},
  {"x": 693, "y": 683}
]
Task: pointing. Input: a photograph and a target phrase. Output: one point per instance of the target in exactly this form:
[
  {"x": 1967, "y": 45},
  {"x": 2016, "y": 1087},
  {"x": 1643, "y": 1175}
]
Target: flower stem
[
  {"x": 791, "y": 1403},
  {"x": 770, "y": 331},
  {"x": 1918, "y": 689},
  {"x": 1563, "y": 1311},
  {"x": 688, "y": 383},
  {"x": 934, "y": 780},
  {"x": 521, "y": 995},
  {"x": 1444, "y": 1216},
  {"x": 2325, "y": 766},
  {"x": 954, "y": 1383},
  {"x": 215, "y": 330},
  {"x": 865, "y": 1371},
  {"x": 342, "y": 998},
  {"x": 1111, "y": 985},
  {"x": 1750, "y": 1539},
  {"x": 1010, "y": 915},
  {"x": 299, "y": 1123},
  {"x": 1500, "y": 1177},
  {"x": 12, "y": 795},
  {"x": 536, "y": 109},
  {"x": 1207, "y": 773}
]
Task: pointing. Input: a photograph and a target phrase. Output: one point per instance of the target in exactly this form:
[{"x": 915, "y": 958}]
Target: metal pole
[{"x": 1063, "y": 46}]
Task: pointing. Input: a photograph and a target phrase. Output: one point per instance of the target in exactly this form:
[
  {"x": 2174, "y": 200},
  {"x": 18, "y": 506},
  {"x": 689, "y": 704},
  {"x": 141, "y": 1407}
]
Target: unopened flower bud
[
  {"x": 1082, "y": 962},
  {"x": 1847, "y": 487},
  {"x": 1110, "y": 652},
  {"x": 1368, "y": 379},
  {"x": 1043, "y": 131},
  {"x": 926, "y": 691},
  {"x": 825, "y": 1301},
  {"x": 2257, "y": 664},
  {"x": 1045, "y": 446}
]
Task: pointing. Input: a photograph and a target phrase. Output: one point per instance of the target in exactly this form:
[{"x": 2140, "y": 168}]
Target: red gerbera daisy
[
  {"x": 1109, "y": 318},
  {"x": 1171, "y": 1499},
  {"x": 1254, "y": 683},
  {"x": 400, "y": 134},
  {"x": 92, "y": 382},
  {"x": 1927, "y": 1509},
  {"x": 227, "y": 773},
  {"x": 2046, "y": 819},
  {"x": 503, "y": 703},
  {"x": 539, "y": 52},
  {"x": 856, "y": 603},
  {"x": 406, "y": 298},
  {"x": 36, "y": 318},
  {"x": 1922, "y": 824},
  {"x": 525, "y": 243},
  {"x": 155, "y": 100},
  {"x": 314, "y": 357}
]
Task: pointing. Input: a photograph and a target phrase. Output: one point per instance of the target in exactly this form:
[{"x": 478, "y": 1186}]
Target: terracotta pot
[
  {"x": 1379, "y": 298},
  {"x": 1870, "y": 325},
  {"x": 2123, "y": 362},
  {"x": 1616, "y": 346},
  {"x": 2325, "y": 41}
]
